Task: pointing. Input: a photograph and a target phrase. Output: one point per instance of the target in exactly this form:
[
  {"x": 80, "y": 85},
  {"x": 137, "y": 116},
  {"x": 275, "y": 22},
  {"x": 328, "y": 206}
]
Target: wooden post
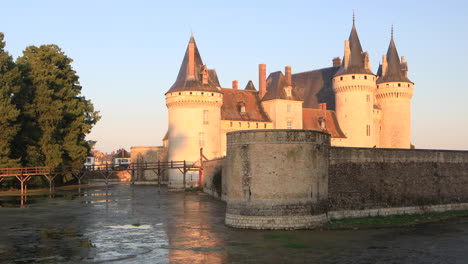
[
  {"x": 200, "y": 171},
  {"x": 184, "y": 174}
]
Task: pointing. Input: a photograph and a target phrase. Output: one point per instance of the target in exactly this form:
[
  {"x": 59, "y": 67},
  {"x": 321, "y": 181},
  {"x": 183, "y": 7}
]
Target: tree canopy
[{"x": 43, "y": 116}]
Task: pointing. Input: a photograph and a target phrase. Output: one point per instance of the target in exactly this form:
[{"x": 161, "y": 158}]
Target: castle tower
[
  {"x": 394, "y": 92},
  {"x": 194, "y": 105},
  {"x": 354, "y": 87}
]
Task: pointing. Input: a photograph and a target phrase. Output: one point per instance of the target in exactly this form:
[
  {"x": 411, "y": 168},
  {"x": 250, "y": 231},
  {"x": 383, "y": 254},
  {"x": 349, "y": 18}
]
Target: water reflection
[
  {"x": 136, "y": 224},
  {"x": 191, "y": 232}
]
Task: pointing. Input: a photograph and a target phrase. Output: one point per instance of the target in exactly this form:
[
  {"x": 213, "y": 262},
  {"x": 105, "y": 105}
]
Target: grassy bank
[{"x": 393, "y": 221}]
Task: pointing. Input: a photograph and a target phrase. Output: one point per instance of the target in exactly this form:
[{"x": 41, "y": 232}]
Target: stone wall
[
  {"x": 212, "y": 175},
  {"x": 292, "y": 179},
  {"x": 148, "y": 154},
  {"x": 275, "y": 179},
  {"x": 363, "y": 178}
]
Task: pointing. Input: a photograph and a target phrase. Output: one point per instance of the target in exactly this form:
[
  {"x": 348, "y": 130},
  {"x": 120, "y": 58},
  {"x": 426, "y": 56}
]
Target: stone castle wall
[
  {"x": 275, "y": 178},
  {"x": 212, "y": 173},
  {"x": 290, "y": 179},
  {"x": 148, "y": 154},
  {"x": 362, "y": 178}
]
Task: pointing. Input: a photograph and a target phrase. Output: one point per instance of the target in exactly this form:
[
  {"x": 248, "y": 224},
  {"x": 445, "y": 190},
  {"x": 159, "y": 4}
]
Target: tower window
[
  {"x": 289, "y": 124},
  {"x": 190, "y": 92},
  {"x": 201, "y": 139},
  {"x": 180, "y": 93},
  {"x": 365, "y": 77},
  {"x": 240, "y": 124},
  {"x": 264, "y": 125},
  {"x": 288, "y": 108},
  {"x": 341, "y": 78},
  {"x": 354, "y": 77},
  {"x": 399, "y": 85},
  {"x": 368, "y": 98},
  {"x": 256, "y": 124},
  {"x": 205, "y": 117},
  {"x": 367, "y": 130},
  {"x": 387, "y": 85},
  {"x": 231, "y": 124}
]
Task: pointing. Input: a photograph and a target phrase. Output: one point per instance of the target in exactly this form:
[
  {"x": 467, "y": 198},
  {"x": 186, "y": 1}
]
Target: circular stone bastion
[{"x": 276, "y": 178}]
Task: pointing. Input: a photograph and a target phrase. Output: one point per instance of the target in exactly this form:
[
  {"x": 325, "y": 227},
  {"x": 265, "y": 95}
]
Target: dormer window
[
  {"x": 241, "y": 108},
  {"x": 204, "y": 74},
  {"x": 323, "y": 124},
  {"x": 288, "y": 91}
]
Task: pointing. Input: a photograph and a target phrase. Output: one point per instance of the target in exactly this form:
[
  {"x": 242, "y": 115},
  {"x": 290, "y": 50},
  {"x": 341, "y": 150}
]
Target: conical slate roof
[
  {"x": 395, "y": 72},
  {"x": 185, "y": 83},
  {"x": 356, "y": 58},
  {"x": 250, "y": 86}
]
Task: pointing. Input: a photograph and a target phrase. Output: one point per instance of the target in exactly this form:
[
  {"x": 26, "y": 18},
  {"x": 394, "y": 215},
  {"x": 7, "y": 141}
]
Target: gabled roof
[
  {"x": 275, "y": 84},
  {"x": 121, "y": 153},
  {"x": 314, "y": 87},
  {"x": 395, "y": 69},
  {"x": 311, "y": 120},
  {"x": 250, "y": 86},
  {"x": 233, "y": 99},
  {"x": 186, "y": 83},
  {"x": 356, "y": 58}
]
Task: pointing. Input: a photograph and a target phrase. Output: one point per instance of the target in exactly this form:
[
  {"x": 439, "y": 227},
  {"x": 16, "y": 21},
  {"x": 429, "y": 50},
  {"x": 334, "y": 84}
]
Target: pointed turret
[
  {"x": 250, "y": 86},
  {"x": 354, "y": 87},
  {"x": 355, "y": 61},
  {"x": 192, "y": 72},
  {"x": 393, "y": 94},
  {"x": 392, "y": 69}
]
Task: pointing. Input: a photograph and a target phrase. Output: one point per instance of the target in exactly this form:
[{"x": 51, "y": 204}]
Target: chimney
[
  {"x": 384, "y": 65},
  {"x": 336, "y": 62},
  {"x": 235, "y": 85},
  {"x": 347, "y": 53},
  {"x": 287, "y": 73},
  {"x": 191, "y": 60},
  {"x": 262, "y": 79}
]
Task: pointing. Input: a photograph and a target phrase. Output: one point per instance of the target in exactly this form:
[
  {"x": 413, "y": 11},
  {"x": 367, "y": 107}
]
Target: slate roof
[
  {"x": 314, "y": 87},
  {"x": 232, "y": 100},
  {"x": 356, "y": 58},
  {"x": 395, "y": 69},
  {"x": 311, "y": 121},
  {"x": 250, "y": 86},
  {"x": 275, "y": 84},
  {"x": 185, "y": 83}
]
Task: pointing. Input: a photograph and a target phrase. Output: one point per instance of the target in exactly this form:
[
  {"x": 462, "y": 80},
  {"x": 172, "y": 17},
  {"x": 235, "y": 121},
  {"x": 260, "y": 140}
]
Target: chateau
[{"x": 347, "y": 100}]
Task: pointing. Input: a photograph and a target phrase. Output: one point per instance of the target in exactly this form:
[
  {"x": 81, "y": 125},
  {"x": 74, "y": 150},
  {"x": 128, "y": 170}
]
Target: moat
[{"x": 138, "y": 224}]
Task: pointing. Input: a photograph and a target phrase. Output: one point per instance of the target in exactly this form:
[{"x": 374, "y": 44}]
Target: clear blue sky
[{"x": 128, "y": 53}]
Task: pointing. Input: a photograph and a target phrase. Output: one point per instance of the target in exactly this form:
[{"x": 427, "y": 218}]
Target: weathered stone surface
[
  {"x": 275, "y": 174},
  {"x": 374, "y": 178}
]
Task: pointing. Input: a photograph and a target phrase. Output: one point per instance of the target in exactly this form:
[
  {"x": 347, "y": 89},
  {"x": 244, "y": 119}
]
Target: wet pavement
[{"x": 136, "y": 224}]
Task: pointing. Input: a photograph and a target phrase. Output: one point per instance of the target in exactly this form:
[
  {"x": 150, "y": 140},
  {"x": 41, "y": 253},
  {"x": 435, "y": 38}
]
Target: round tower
[
  {"x": 354, "y": 87},
  {"x": 394, "y": 93},
  {"x": 194, "y": 106}
]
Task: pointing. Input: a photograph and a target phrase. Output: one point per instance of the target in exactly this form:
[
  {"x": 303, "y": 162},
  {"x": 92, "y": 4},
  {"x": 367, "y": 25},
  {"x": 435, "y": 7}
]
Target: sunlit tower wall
[
  {"x": 194, "y": 108},
  {"x": 394, "y": 93},
  {"x": 354, "y": 87}
]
